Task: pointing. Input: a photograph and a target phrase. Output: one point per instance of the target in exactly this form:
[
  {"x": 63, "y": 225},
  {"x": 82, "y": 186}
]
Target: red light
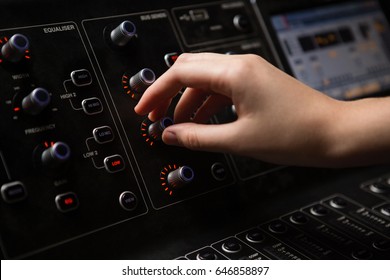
[
  {"x": 68, "y": 201},
  {"x": 46, "y": 145},
  {"x": 115, "y": 163},
  {"x": 16, "y": 109}
]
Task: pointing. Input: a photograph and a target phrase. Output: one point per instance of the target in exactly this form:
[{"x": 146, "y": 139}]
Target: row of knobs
[
  {"x": 120, "y": 37},
  {"x": 38, "y": 99},
  {"x": 56, "y": 156},
  {"x": 138, "y": 83},
  {"x": 15, "y": 48}
]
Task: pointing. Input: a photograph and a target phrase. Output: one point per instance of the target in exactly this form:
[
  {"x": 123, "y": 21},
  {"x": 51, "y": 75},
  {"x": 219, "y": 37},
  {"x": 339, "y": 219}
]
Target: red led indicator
[
  {"x": 144, "y": 133},
  {"x": 116, "y": 163},
  {"x": 164, "y": 178},
  {"x": 16, "y": 109},
  {"x": 68, "y": 201}
]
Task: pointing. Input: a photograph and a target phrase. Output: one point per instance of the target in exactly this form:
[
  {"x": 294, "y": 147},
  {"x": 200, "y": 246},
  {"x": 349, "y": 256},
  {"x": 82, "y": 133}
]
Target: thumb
[{"x": 215, "y": 138}]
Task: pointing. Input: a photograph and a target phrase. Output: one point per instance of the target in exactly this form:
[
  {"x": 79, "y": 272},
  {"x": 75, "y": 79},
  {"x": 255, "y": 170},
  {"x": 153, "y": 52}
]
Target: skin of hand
[{"x": 280, "y": 120}]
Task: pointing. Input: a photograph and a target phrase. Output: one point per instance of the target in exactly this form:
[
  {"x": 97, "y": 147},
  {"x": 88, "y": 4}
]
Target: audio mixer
[{"x": 84, "y": 177}]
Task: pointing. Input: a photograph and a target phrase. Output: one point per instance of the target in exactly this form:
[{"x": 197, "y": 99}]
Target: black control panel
[{"x": 83, "y": 176}]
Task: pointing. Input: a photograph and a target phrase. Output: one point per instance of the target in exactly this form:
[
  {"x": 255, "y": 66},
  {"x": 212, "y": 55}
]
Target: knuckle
[{"x": 192, "y": 140}]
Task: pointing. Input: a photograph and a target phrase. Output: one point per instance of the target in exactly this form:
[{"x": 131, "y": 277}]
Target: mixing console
[{"x": 83, "y": 176}]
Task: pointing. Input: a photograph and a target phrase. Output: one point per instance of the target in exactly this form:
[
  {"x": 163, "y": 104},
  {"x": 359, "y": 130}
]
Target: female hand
[{"x": 280, "y": 120}]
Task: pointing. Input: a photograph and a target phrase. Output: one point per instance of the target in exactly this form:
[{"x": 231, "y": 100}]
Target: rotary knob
[
  {"x": 14, "y": 50},
  {"x": 36, "y": 101},
  {"x": 180, "y": 177},
  {"x": 141, "y": 81},
  {"x": 156, "y": 129},
  {"x": 55, "y": 156},
  {"x": 123, "y": 33}
]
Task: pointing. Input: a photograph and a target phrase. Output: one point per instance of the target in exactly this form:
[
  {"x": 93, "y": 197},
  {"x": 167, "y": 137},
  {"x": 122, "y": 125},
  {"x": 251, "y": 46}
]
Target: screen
[{"x": 342, "y": 50}]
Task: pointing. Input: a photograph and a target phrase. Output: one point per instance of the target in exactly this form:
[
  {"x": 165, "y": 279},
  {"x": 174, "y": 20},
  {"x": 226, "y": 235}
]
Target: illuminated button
[
  {"x": 128, "y": 201},
  {"x": 14, "y": 50},
  {"x": 81, "y": 77},
  {"x": 170, "y": 58},
  {"x": 92, "y": 106},
  {"x": 218, "y": 171},
  {"x": 13, "y": 192},
  {"x": 114, "y": 163},
  {"x": 103, "y": 134},
  {"x": 67, "y": 202}
]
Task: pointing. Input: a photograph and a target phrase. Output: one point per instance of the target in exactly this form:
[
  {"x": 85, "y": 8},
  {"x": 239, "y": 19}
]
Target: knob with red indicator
[
  {"x": 141, "y": 81},
  {"x": 15, "y": 48},
  {"x": 55, "y": 156},
  {"x": 156, "y": 129},
  {"x": 123, "y": 33},
  {"x": 180, "y": 177},
  {"x": 36, "y": 101}
]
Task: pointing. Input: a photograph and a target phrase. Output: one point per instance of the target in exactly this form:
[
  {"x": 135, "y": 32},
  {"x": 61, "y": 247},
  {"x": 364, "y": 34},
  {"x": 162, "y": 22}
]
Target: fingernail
[{"x": 170, "y": 138}]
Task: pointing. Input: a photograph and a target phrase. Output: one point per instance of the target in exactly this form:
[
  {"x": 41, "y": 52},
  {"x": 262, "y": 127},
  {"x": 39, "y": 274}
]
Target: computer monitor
[{"x": 341, "y": 49}]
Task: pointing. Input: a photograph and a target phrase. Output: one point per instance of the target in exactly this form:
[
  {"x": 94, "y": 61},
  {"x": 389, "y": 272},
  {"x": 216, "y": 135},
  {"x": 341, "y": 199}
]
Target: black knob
[
  {"x": 123, "y": 33},
  {"x": 241, "y": 23},
  {"x": 180, "y": 177},
  {"x": 36, "y": 101},
  {"x": 141, "y": 81},
  {"x": 55, "y": 156},
  {"x": 156, "y": 129},
  {"x": 14, "y": 50}
]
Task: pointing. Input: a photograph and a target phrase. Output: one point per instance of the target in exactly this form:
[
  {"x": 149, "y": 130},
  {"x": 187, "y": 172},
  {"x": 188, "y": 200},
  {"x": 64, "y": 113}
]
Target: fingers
[
  {"x": 213, "y": 105},
  {"x": 204, "y": 71},
  {"x": 189, "y": 103},
  {"x": 202, "y": 137}
]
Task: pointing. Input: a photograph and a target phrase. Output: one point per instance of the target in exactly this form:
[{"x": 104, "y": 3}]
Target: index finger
[{"x": 206, "y": 71}]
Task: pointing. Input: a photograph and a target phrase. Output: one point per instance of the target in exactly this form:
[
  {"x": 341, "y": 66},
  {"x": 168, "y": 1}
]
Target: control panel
[{"x": 83, "y": 176}]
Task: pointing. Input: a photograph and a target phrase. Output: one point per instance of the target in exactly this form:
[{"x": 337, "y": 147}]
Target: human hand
[{"x": 280, "y": 120}]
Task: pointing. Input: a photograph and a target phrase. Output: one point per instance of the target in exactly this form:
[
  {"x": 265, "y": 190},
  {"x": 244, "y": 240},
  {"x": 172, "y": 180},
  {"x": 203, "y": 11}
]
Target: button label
[
  {"x": 67, "y": 202},
  {"x": 81, "y": 78},
  {"x": 103, "y": 134},
  {"x": 114, "y": 163},
  {"x": 92, "y": 106}
]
